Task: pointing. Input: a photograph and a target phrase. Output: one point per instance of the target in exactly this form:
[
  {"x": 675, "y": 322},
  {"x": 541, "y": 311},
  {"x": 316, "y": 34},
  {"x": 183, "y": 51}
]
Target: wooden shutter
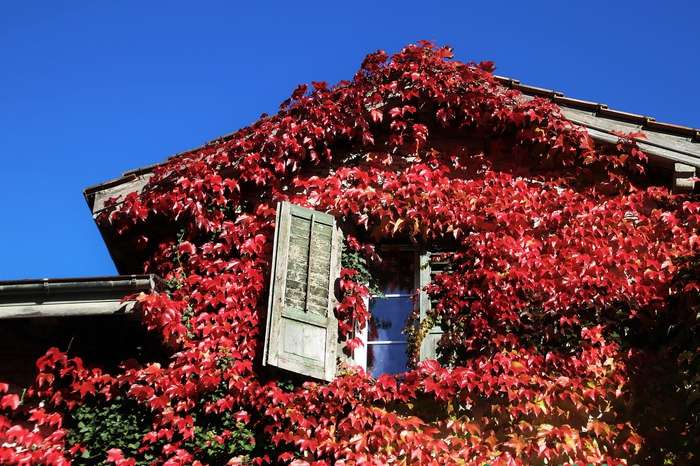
[
  {"x": 302, "y": 331},
  {"x": 430, "y": 265}
]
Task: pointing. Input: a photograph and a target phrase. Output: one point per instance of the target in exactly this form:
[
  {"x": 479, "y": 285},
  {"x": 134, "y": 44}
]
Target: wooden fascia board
[
  {"x": 97, "y": 196},
  {"x": 65, "y": 308}
]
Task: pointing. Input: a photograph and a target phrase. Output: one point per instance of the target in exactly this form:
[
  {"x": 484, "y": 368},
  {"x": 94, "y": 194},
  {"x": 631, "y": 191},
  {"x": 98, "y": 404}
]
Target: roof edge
[
  {"x": 645, "y": 121},
  {"x": 599, "y": 109},
  {"x": 55, "y": 286}
]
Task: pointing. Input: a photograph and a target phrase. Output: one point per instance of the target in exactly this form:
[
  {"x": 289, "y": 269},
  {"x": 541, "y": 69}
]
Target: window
[
  {"x": 405, "y": 272},
  {"x": 301, "y": 331},
  {"x": 389, "y": 311}
]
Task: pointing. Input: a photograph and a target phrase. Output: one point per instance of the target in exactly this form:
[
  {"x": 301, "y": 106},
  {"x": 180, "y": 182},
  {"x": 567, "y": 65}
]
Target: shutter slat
[{"x": 302, "y": 330}]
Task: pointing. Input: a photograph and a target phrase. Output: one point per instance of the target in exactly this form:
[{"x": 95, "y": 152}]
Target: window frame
[{"x": 421, "y": 278}]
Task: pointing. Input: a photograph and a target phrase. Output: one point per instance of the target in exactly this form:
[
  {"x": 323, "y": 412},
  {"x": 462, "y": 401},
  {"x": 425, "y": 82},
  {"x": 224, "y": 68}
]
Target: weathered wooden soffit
[
  {"x": 674, "y": 152},
  {"x": 71, "y": 296}
]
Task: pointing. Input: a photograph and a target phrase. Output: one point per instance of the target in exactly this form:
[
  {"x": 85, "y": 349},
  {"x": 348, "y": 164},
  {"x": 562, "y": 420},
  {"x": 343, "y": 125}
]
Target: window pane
[
  {"x": 388, "y": 318},
  {"x": 386, "y": 359}
]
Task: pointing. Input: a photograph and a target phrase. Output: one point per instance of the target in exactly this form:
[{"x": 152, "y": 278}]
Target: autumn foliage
[{"x": 570, "y": 313}]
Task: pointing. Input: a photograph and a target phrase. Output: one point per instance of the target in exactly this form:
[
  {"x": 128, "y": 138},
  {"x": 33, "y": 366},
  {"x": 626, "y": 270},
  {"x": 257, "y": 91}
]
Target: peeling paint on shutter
[{"x": 302, "y": 331}]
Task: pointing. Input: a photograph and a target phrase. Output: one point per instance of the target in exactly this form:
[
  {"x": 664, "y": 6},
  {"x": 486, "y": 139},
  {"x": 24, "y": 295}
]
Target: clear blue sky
[{"x": 91, "y": 89}]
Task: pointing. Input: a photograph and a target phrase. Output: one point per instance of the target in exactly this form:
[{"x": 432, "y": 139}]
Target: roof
[
  {"x": 674, "y": 150},
  {"x": 668, "y": 141},
  {"x": 645, "y": 122},
  {"x": 60, "y": 297}
]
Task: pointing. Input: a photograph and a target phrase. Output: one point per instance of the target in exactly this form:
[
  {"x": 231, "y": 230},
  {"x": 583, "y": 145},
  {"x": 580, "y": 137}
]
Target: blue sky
[{"x": 91, "y": 89}]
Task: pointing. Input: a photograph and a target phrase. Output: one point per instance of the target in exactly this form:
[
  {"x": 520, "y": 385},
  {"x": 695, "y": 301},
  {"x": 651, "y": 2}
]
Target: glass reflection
[
  {"x": 386, "y": 359},
  {"x": 388, "y": 318}
]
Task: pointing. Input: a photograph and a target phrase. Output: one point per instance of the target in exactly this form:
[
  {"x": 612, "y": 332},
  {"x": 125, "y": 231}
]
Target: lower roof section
[{"x": 71, "y": 296}]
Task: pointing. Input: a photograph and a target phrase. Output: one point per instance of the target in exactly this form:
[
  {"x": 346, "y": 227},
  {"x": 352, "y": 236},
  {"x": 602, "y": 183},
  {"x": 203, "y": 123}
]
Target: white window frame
[{"x": 421, "y": 279}]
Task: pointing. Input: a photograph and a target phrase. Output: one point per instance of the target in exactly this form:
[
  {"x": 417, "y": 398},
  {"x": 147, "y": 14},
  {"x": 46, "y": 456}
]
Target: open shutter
[
  {"x": 430, "y": 264},
  {"x": 302, "y": 330}
]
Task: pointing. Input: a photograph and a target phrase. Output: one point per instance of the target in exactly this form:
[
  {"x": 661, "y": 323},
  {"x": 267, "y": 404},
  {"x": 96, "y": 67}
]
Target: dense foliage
[{"x": 570, "y": 313}]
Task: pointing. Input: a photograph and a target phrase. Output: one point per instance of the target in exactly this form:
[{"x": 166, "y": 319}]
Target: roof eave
[{"x": 66, "y": 297}]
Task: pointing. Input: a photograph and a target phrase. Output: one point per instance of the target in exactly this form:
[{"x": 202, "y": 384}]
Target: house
[
  {"x": 674, "y": 156},
  {"x": 70, "y": 313},
  {"x": 528, "y": 241}
]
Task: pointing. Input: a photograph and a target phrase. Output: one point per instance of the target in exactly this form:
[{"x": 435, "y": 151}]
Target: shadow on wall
[{"x": 100, "y": 341}]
